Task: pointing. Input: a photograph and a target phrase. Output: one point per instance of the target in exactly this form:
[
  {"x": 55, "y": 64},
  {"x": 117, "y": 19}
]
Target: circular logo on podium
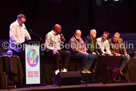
[{"x": 32, "y": 57}]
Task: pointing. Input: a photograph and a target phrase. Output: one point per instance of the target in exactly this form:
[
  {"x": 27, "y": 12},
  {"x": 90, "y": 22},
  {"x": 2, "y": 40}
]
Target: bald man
[
  {"x": 79, "y": 51},
  {"x": 53, "y": 42}
]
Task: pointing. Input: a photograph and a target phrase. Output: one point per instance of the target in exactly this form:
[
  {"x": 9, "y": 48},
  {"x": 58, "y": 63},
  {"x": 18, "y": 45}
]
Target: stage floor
[{"x": 84, "y": 87}]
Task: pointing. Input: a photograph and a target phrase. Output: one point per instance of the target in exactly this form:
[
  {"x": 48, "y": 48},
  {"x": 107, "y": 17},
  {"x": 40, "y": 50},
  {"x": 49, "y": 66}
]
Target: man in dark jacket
[{"x": 91, "y": 44}]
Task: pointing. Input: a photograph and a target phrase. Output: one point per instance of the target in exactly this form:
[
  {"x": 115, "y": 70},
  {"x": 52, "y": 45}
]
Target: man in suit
[{"x": 117, "y": 48}]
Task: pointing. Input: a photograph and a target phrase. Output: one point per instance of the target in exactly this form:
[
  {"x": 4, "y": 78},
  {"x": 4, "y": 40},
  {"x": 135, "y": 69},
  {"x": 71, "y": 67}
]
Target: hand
[
  {"x": 55, "y": 51},
  {"x": 86, "y": 53},
  {"x": 103, "y": 54},
  {"x": 118, "y": 54},
  {"x": 62, "y": 38},
  {"x": 93, "y": 53},
  {"x": 110, "y": 54},
  {"x": 126, "y": 55}
]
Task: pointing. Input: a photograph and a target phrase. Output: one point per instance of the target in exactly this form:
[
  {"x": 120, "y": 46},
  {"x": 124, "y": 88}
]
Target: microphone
[{"x": 61, "y": 35}]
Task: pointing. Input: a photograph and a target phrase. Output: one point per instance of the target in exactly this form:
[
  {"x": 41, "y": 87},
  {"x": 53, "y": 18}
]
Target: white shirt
[
  {"x": 52, "y": 41},
  {"x": 104, "y": 46},
  {"x": 17, "y": 35}
]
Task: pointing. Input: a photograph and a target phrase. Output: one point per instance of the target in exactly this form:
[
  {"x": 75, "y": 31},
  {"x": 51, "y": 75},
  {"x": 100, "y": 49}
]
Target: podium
[{"x": 32, "y": 62}]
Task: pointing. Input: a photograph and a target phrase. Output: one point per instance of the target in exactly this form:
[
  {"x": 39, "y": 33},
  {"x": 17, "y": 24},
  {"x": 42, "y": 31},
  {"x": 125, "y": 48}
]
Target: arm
[
  {"x": 123, "y": 49},
  {"x": 88, "y": 44},
  {"x": 100, "y": 46},
  {"x": 49, "y": 44},
  {"x": 108, "y": 47},
  {"x": 13, "y": 35},
  {"x": 27, "y": 35}
]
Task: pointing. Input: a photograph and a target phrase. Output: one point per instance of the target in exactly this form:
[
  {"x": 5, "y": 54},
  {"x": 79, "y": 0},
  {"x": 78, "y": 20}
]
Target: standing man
[
  {"x": 104, "y": 44},
  {"x": 53, "y": 42},
  {"x": 18, "y": 34},
  {"x": 79, "y": 51},
  {"x": 117, "y": 48}
]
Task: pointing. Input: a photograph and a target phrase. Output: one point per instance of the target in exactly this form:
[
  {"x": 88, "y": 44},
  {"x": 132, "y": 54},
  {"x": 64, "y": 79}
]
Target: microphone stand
[{"x": 31, "y": 32}]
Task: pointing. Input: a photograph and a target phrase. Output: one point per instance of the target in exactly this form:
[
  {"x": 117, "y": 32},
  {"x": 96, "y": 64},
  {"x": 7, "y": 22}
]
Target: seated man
[
  {"x": 53, "y": 42},
  {"x": 104, "y": 44},
  {"x": 78, "y": 50},
  {"x": 118, "y": 49},
  {"x": 91, "y": 44}
]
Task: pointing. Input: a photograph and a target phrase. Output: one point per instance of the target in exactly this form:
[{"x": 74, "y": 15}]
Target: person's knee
[
  {"x": 91, "y": 56},
  {"x": 84, "y": 56},
  {"x": 68, "y": 53},
  {"x": 125, "y": 59}
]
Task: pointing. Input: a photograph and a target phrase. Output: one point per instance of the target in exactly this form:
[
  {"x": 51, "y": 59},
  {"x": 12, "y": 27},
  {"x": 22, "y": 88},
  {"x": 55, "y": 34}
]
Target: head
[
  {"x": 105, "y": 35},
  {"x": 57, "y": 28},
  {"x": 21, "y": 18},
  {"x": 77, "y": 34},
  {"x": 116, "y": 37},
  {"x": 93, "y": 33}
]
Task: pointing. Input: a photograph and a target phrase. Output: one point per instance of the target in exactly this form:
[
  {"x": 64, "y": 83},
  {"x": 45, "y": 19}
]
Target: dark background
[{"x": 71, "y": 14}]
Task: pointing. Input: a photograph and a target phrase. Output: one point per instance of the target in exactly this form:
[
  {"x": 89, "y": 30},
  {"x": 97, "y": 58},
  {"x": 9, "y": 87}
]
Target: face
[
  {"x": 78, "y": 34},
  {"x": 57, "y": 29},
  {"x": 23, "y": 20},
  {"x": 115, "y": 38},
  {"x": 104, "y": 36},
  {"x": 93, "y": 33}
]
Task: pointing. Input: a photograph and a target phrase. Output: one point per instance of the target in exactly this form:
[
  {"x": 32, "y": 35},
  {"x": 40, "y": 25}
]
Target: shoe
[
  {"x": 121, "y": 73},
  {"x": 57, "y": 71},
  {"x": 88, "y": 72},
  {"x": 83, "y": 71},
  {"x": 64, "y": 70}
]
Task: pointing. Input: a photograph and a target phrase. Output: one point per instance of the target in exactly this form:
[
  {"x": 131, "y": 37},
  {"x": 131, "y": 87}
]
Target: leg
[
  {"x": 22, "y": 60},
  {"x": 56, "y": 58},
  {"x": 66, "y": 55},
  {"x": 90, "y": 60},
  {"x": 125, "y": 60},
  {"x": 83, "y": 57}
]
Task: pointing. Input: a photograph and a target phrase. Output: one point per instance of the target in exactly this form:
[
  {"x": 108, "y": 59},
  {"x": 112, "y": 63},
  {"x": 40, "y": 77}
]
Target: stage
[{"x": 85, "y": 87}]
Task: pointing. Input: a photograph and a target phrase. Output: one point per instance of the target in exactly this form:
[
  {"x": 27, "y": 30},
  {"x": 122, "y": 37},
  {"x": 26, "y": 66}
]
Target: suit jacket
[
  {"x": 121, "y": 48},
  {"x": 96, "y": 47}
]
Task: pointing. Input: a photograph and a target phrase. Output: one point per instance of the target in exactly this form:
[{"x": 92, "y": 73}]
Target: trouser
[
  {"x": 61, "y": 53},
  {"x": 22, "y": 60},
  {"x": 124, "y": 61},
  {"x": 86, "y": 60}
]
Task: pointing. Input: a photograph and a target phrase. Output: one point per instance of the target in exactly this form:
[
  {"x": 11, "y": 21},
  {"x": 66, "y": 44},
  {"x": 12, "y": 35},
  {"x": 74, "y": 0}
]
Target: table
[{"x": 12, "y": 66}]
